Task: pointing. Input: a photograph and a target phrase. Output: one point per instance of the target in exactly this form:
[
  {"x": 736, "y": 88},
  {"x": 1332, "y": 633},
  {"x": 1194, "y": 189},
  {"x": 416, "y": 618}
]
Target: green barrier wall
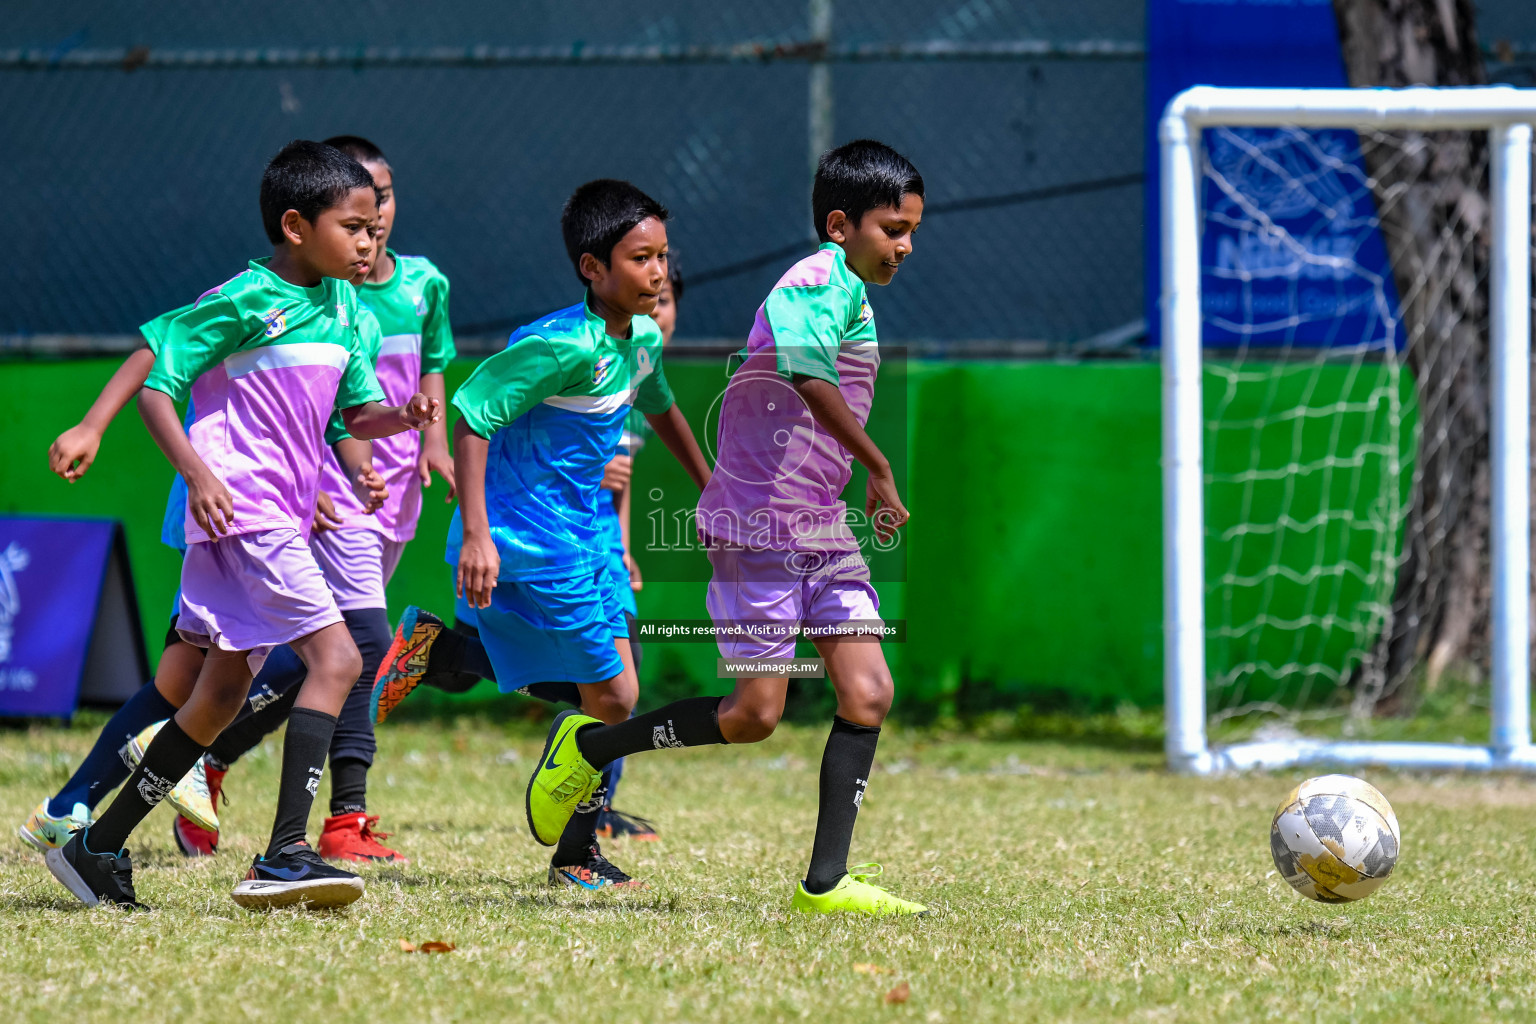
[{"x": 1032, "y": 562}]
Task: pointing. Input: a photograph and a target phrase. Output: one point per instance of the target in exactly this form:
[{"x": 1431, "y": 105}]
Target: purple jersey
[
  {"x": 265, "y": 363},
  {"x": 412, "y": 311},
  {"x": 779, "y": 477}
]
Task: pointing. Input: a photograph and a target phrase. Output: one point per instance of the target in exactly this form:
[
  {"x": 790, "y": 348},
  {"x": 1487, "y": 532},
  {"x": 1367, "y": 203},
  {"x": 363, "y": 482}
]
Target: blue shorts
[
  {"x": 620, "y": 573},
  {"x": 549, "y": 631}
]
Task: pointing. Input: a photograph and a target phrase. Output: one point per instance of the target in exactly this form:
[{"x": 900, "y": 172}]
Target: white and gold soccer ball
[{"x": 1335, "y": 839}]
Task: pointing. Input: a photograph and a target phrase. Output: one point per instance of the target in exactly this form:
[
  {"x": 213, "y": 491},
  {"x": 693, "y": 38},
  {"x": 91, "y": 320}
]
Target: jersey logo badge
[
  {"x": 600, "y": 370},
  {"x": 865, "y": 313},
  {"x": 421, "y": 305},
  {"x": 276, "y": 320},
  {"x": 341, "y": 314}
]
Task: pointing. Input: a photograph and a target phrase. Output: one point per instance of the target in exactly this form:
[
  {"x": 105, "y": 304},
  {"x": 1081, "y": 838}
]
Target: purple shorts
[
  {"x": 357, "y": 564},
  {"x": 253, "y": 592},
  {"x": 755, "y": 594}
]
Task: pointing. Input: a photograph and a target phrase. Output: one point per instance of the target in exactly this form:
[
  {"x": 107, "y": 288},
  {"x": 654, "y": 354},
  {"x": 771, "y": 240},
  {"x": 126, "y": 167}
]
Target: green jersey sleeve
[
  {"x": 654, "y": 395},
  {"x": 336, "y": 430},
  {"x": 508, "y": 384},
  {"x": 193, "y": 341},
  {"x": 358, "y": 384},
  {"x": 808, "y": 323},
  {"x": 437, "y": 349},
  {"x": 153, "y": 332}
]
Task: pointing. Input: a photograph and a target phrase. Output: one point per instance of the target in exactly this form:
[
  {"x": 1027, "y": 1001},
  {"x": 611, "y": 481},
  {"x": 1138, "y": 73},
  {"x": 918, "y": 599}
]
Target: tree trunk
[{"x": 1431, "y": 191}]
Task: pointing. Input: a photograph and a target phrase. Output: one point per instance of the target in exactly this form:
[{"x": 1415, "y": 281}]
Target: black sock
[
  {"x": 283, "y": 674},
  {"x": 845, "y": 766},
  {"x": 349, "y": 785},
  {"x": 690, "y": 722},
  {"x": 611, "y": 776},
  {"x": 581, "y": 834},
  {"x": 171, "y": 755},
  {"x": 458, "y": 660},
  {"x": 553, "y": 693},
  {"x": 304, "y": 750},
  {"x": 354, "y": 738},
  {"x": 103, "y": 768}
]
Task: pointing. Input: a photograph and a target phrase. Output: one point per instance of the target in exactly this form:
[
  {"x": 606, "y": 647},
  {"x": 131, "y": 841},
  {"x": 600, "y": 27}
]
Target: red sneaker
[
  {"x": 192, "y": 838},
  {"x": 351, "y": 837}
]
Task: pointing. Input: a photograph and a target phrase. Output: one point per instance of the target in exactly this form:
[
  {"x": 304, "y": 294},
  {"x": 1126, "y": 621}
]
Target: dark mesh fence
[
  {"x": 135, "y": 135},
  {"x": 136, "y": 138}
]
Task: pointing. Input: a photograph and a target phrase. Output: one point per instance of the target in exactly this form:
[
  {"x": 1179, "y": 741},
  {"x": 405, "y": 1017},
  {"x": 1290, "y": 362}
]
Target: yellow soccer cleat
[
  {"x": 562, "y": 779},
  {"x": 854, "y": 895},
  {"x": 44, "y": 832},
  {"x": 190, "y": 796}
]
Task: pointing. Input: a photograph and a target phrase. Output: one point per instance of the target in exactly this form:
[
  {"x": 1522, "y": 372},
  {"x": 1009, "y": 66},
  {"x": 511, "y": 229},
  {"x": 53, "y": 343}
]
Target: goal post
[{"x": 1507, "y": 115}]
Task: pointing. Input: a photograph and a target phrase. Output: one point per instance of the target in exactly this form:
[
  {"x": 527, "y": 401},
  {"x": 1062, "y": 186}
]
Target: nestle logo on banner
[
  {"x": 1291, "y": 240},
  {"x": 1322, "y": 259},
  {"x": 12, "y": 561},
  {"x": 1276, "y": 177}
]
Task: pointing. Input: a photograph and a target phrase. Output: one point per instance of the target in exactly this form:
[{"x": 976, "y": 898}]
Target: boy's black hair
[
  {"x": 860, "y": 176},
  {"x": 674, "y": 275},
  {"x": 600, "y": 213},
  {"x": 308, "y": 177},
  {"x": 359, "y": 149}
]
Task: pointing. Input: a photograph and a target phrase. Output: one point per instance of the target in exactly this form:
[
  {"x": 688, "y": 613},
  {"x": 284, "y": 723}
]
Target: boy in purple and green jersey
[
  {"x": 772, "y": 517},
  {"x": 358, "y": 548},
  {"x": 265, "y": 358},
  {"x": 120, "y": 742},
  {"x": 412, "y": 295},
  {"x": 358, "y": 551}
]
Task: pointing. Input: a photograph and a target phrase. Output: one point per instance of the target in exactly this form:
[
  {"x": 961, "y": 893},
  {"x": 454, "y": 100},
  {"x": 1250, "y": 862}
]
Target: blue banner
[
  {"x": 52, "y": 576},
  {"x": 1290, "y": 250}
]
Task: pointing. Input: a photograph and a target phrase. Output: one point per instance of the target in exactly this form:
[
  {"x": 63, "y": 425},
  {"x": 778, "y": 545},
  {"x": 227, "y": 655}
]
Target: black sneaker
[
  {"x": 612, "y": 824},
  {"x": 296, "y": 875},
  {"x": 594, "y": 872},
  {"x": 94, "y": 878}
]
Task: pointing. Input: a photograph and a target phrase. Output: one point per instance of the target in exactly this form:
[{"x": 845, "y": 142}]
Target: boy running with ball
[{"x": 772, "y": 518}]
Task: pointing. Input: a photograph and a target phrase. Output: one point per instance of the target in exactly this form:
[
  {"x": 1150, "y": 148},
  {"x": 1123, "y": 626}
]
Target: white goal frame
[{"x": 1507, "y": 114}]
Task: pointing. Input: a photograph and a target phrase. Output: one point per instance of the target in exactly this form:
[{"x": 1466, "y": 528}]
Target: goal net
[{"x": 1348, "y": 411}]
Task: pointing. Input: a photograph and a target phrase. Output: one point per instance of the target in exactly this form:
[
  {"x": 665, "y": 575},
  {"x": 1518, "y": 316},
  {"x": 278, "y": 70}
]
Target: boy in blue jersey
[
  {"x": 539, "y": 423},
  {"x": 454, "y": 660}
]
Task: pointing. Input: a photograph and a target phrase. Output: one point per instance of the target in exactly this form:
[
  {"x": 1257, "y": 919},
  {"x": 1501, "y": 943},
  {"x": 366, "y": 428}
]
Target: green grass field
[{"x": 1068, "y": 881}]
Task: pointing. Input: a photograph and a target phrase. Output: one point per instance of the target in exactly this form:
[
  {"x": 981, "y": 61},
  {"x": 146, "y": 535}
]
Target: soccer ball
[{"x": 1335, "y": 839}]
